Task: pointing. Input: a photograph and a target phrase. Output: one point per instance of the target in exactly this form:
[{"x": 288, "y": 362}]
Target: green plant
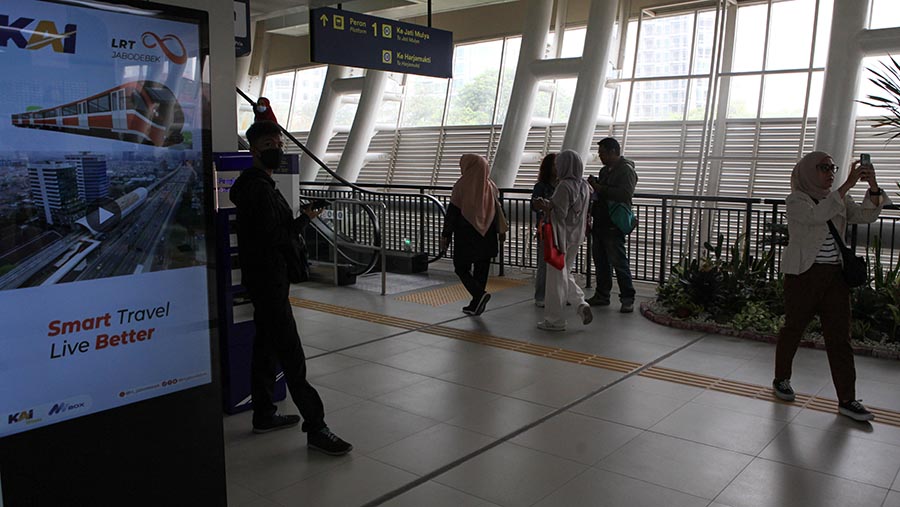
[
  {"x": 879, "y": 304},
  {"x": 718, "y": 286},
  {"x": 757, "y": 316},
  {"x": 887, "y": 78}
]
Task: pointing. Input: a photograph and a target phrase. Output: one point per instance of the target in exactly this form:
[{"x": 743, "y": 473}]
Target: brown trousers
[{"x": 822, "y": 291}]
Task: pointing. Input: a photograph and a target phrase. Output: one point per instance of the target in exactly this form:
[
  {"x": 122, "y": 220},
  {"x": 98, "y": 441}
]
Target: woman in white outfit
[{"x": 568, "y": 209}]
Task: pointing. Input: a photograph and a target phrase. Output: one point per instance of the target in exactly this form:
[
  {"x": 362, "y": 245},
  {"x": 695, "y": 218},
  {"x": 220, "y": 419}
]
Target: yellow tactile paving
[
  {"x": 456, "y": 292},
  {"x": 883, "y": 416}
]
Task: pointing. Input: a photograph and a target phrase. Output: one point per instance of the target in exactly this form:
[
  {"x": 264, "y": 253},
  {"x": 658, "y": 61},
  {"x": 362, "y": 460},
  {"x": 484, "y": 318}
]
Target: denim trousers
[{"x": 540, "y": 277}]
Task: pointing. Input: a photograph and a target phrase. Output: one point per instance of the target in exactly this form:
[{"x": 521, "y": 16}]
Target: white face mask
[{"x": 262, "y": 109}]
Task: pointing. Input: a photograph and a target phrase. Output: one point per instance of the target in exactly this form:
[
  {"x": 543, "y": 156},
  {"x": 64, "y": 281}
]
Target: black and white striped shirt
[{"x": 828, "y": 252}]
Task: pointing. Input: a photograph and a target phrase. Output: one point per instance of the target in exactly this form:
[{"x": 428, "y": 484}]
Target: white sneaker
[
  {"x": 539, "y": 304},
  {"x": 584, "y": 311},
  {"x": 546, "y": 325}
]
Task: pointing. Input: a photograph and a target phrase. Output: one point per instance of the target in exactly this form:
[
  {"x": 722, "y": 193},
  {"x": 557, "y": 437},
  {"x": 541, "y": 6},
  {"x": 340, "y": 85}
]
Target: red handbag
[{"x": 552, "y": 255}]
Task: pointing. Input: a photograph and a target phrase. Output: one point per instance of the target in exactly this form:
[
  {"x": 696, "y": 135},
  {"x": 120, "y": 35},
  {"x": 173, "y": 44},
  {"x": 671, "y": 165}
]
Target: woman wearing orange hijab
[
  {"x": 470, "y": 220},
  {"x": 813, "y": 279}
]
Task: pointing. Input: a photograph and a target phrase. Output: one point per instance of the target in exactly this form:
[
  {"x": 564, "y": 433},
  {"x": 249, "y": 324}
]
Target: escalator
[
  {"x": 347, "y": 239},
  {"x": 349, "y": 228}
]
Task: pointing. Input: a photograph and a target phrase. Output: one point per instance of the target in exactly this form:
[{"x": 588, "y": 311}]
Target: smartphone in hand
[{"x": 316, "y": 204}]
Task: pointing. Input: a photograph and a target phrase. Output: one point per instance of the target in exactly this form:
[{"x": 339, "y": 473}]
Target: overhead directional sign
[{"x": 357, "y": 40}]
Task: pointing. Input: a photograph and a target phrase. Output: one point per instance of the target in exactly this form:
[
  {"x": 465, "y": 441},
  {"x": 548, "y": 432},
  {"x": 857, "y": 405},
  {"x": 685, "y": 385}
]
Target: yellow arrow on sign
[{"x": 324, "y": 19}]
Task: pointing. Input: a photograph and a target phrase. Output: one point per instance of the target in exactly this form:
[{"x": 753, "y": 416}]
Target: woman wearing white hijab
[
  {"x": 568, "y": 208},
  {"x": 813, "y": 279}
]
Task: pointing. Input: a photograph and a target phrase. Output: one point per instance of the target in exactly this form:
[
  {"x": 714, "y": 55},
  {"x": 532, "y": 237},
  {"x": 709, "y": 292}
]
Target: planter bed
[{"x": 657, "y": 314}]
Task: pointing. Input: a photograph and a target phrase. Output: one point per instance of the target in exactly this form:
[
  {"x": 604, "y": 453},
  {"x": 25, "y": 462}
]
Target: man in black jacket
[
  {"x": 271, "y": 257},
  {"x": 614, "y": 184}
]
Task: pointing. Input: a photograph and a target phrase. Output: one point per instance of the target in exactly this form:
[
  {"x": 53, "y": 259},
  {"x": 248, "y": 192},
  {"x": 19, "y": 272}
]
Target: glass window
[
  {"x": 743, "y": 96},
  {"x": 867, "y": 88},
  {"x": 474, "y": 84},
  {"x": 823, "y": 32},
  {"x": 346, "y": 111},
  {"x": 423, "y": 101},
  {"x": 630, "y": 45},
  {"x": 790, "y": 34},
  {"x": 565, "y": 92},
  {"x": 623, "y": 96},
  {"x": 784, "y": 95},
  {"x": 510, "y": 62},
  {"x": 697, "y": 102},
  {"x": 543, "y": 99},
  {"x": 749, "y": 38},
  {"x": 573, "y": 43},
  {"x": 607, "y": 101},
  {"x": 278, "y": 90},
  {"x": 99, "y": 105},
  {"x": 245, "y": 117},
  {"x": 389, "y": 111},
  {"x": 815, "y": 94},
  {"x": 706, "y": 26},
  {"x": 307, "y": 91},
  {"x": 658, "y": 100},
  {"x": 885, "y": 14},
  {"x": 665, "y": 46}
]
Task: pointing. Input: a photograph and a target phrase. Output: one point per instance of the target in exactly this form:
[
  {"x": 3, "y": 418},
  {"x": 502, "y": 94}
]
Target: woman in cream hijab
[
  {"x": 813, "y": 279},
  {"x": 568, "y": 209},
  {"x": 471, "y": 220}
]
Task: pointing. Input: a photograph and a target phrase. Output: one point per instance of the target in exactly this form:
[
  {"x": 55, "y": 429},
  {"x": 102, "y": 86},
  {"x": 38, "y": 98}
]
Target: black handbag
[{"x": 855, "y": 269}]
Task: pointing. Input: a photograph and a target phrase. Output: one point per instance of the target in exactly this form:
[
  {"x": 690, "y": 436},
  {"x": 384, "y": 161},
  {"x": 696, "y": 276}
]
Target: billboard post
[{"x": 107, "y": 286}]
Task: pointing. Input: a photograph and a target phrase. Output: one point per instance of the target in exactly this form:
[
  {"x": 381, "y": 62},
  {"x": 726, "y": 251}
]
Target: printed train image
[{"x": 144, "y": 112}]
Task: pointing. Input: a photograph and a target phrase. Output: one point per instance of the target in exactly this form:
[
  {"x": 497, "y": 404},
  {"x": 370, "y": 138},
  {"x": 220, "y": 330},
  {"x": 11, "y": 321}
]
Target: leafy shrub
[
  {"x": 719, "y": 287},
  {"x": 745, "y": 293}
]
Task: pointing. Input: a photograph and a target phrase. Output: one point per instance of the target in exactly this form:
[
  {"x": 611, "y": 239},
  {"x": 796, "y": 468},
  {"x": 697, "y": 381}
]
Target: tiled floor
[{"x": 439, "y": 422}]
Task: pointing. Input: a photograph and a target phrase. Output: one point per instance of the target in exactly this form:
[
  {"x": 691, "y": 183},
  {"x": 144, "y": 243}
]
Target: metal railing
[
  {"x": 671, "y": 228},
  {"x": 426, "y": 204},
  {"x": 378, "y": 243}
]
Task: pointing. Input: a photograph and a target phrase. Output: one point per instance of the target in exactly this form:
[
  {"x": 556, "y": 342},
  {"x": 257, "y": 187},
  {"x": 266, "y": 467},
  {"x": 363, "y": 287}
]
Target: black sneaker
[
  {"x": 326, "y": 441},
  {"x": 597, "y": 300},
  {"x": 469, "y": 309},
  {"x": 782, "y": 389},
  {"x": 855, "y": 410},
  {"x": 482, "y": 303},
  {"x": 275, "y": 423}
]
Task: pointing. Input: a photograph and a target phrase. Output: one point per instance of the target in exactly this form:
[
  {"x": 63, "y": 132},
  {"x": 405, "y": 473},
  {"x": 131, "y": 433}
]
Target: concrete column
[
  {"x": 524, "y": 90},
  {"x": 323, "y": 123},
  {"x": 363, "y": 127},
  {"x": 592, "y": 78},
  {"x": 714, "y": 163},
  {"x": 843, "y": 70}
]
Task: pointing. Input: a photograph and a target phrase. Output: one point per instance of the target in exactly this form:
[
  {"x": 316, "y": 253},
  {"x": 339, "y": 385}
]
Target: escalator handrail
[
  {"x": 336, "y": 176},
  {"x": 367, "y": 207}
]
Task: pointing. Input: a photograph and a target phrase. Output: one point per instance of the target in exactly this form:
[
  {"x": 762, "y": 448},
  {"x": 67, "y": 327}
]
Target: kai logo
[
  {"x": 43, "y": 34},
  {"x": 25, "y": 415}
]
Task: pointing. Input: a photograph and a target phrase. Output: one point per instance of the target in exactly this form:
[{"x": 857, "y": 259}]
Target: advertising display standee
[
  {"x": 105, "y": 208},
  {"x": 109, "y": 377}
]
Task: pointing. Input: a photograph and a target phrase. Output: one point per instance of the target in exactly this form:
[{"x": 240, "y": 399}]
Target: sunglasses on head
[{"x": 827, "y": 168}]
